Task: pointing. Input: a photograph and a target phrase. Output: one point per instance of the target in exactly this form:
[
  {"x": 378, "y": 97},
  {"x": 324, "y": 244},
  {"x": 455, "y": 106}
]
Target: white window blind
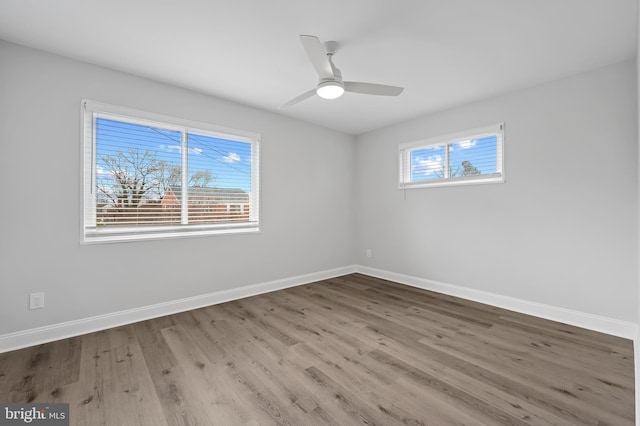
[
  {"x": 151, "y": 176},
  {"x": 469, "y": 157}
]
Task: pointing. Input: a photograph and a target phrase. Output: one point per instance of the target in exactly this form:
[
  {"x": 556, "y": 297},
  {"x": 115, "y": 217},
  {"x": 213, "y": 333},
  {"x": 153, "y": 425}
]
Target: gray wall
[
  {"x": 561, "y": 231},
  {"x": 307, "y": 206}
]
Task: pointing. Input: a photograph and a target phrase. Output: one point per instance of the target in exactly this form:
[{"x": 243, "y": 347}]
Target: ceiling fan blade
[
  {"x": 317, "y": 55},
  {"x": 372, "y": 89},
  {"x": 299, "y": 99}
]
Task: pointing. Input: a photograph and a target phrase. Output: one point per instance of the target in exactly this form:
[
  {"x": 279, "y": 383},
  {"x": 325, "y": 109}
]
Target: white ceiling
[{"x": 444, "y": 52}]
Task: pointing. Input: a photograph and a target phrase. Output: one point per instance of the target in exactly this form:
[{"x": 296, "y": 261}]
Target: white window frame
[
  {"x": 405, "y": 150},
  {"x": 91, "y": 233}
]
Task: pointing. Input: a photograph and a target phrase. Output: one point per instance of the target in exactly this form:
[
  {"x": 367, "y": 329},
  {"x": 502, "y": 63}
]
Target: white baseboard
[
  {"x": 626, "y": 329},
  {"x": 49, "y": 333},
  {"x": 36, "y": 336}
]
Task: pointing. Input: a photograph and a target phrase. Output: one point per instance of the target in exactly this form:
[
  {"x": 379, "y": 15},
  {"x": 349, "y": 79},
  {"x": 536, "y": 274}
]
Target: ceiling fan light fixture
[
  {"x": 330, "y": 90},
  {"x": 330, "y": 84}
]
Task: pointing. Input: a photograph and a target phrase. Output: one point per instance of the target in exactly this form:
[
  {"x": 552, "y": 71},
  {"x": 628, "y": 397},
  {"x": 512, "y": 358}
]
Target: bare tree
[
  {"x": 130, "y": 179},
  {"x": 168, "y": 175},
  {"x": 133, "y": 177},
  {"x": 201, "y": 178}
]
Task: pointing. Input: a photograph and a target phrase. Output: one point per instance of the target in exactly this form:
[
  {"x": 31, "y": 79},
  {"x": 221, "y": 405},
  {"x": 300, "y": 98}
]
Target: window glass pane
[
  {"x": 473, "y": 157},
  {"x": 152, "y": 176},
  {"x": 427, "y": 163},
  {"x": 470, "y": 157},
  {"x": 135, "y": 164},
  {"x": 219, "y": 181}
]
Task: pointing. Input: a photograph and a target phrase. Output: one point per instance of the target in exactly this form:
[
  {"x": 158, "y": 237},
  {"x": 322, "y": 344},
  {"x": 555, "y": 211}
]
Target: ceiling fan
[{"x": 330, "y": 84}]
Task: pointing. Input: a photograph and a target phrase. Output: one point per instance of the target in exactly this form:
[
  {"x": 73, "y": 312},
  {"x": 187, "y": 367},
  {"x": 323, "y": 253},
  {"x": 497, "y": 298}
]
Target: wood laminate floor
[{"x": 349, "y": 350}]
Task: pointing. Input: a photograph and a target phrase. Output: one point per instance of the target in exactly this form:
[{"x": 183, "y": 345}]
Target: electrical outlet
[
  {"x": 369, "y": 253},
  {"x": 36, "y": 300}
]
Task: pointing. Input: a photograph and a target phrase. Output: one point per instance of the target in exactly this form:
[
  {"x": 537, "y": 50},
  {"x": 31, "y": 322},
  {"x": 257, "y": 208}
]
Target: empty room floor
[{"x": 343, "y": 351}]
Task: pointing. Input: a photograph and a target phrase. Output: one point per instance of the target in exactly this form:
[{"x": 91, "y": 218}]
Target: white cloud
[
  {"x": 232, "y": 157},
  {"x": 178, "y": 148},
  {"x": 101, "y": 172},
  {"x": 429, "y": 165},
  {"x": 171, "y": 148},
  {"x": 466, "y": 144}
]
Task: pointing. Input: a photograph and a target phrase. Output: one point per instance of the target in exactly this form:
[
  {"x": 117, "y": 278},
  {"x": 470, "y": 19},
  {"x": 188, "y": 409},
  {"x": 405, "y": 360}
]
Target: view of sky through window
[
  {"x": 466, "y": 158},
  {"x": 154, "y": 154}
]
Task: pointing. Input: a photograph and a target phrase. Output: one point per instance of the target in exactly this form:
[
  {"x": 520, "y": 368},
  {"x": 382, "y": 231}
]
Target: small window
[
  {"x": 470, "y": 157},
  {"x": 150, "y": 176}
]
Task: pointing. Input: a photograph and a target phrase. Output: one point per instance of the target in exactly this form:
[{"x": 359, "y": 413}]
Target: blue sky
[
  {"x": 428, "y": 163},
  {"x": 228, "y": 161}
]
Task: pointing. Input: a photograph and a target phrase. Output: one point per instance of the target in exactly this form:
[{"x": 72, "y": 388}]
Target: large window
[
  {"x": 470, "y": 157},
  {"x": 151, "y": 176}
]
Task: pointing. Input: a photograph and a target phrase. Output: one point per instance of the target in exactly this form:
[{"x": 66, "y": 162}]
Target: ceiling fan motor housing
[
  {"x": 331, "y": 88},
  {"x": 330, "y": 47}
]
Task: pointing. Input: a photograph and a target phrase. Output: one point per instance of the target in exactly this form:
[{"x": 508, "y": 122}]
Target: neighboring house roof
[{"x": 207, "y": 195}]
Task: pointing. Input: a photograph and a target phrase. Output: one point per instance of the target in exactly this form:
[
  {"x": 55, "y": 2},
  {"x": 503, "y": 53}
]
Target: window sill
[
  {"x": 96, "y": 237},
  {"x": 452, "y": 182}
]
